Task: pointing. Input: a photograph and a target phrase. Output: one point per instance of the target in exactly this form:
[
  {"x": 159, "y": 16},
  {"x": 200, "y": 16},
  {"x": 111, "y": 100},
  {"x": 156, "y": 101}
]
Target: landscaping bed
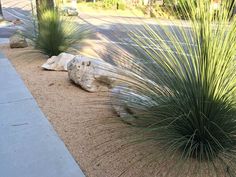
[{"x": 89, "y": 128}]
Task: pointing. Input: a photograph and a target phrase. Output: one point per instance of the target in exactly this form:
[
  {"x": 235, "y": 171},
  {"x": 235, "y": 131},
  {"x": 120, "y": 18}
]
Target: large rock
[
  {"x": 18, "y": 41},
  {"x": 91, "y": 74},
  {"x": 129, "y": 105},
  {"x": 58, "y": 63},
  {"x": 119, "y": 103}
]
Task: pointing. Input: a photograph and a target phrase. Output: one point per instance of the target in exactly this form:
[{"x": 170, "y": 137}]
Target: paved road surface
[
  {"x": 115, "y": 29},
  {"x": 14, "y": 9}
]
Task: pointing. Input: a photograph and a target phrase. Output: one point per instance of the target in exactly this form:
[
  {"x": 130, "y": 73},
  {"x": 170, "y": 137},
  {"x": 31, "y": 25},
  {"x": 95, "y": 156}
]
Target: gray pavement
[
  {"x": 29, "y": 147},
  {"x": 6, "y": 32},
  {"x": 4, "y": 41}
]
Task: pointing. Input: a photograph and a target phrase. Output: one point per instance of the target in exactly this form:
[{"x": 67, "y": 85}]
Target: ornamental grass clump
[
  {"x": 179, "y": 88},
  {"x": 52, "y": 33}
]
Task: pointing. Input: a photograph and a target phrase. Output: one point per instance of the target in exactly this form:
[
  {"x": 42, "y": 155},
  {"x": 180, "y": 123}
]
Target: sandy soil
[{"x": 93, "y": 134}]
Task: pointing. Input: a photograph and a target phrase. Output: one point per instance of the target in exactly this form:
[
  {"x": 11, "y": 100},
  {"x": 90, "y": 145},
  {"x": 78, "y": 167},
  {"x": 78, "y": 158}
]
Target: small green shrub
[
  {"x": 109, "y": 3},
  {"x": 121, "y": 5},
  {"x": 96, "y": 5},
  {"x": 161, "y": 11},
  {"x": 156, "y": 11}
]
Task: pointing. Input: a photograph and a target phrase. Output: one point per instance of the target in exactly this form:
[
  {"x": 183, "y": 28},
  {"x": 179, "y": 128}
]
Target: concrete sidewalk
[{"x": 29, "y": 147}]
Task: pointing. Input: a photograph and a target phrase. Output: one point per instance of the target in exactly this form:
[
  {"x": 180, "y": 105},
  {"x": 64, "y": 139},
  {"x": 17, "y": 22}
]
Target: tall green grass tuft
[
  {"x": 52, "y": 33},
  {"x": 179, "y": 86}
]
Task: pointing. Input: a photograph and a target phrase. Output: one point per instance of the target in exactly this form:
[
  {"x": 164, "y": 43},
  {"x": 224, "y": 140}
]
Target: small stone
[{"x": 18, "y": 41}]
